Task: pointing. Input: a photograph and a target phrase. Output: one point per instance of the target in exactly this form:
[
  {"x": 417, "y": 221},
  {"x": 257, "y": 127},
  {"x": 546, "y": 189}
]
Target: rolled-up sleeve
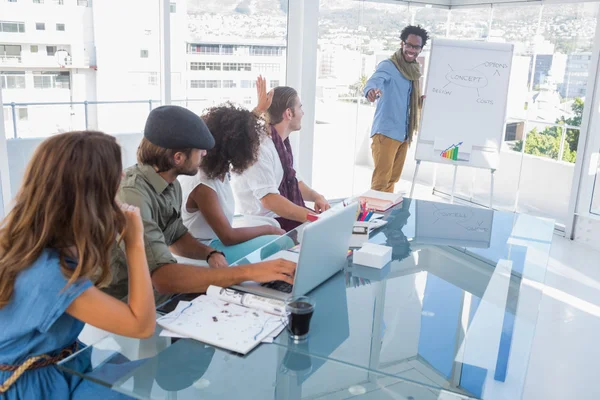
[
  {"x": 260, "y": 177},
  {"x": 157, "y": 251}
]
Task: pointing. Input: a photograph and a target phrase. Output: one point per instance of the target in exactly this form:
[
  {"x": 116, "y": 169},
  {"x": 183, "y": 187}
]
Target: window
[
  {"x": 266, "y": 51},
  {"x": 246, "y": 84},
  {"x": 12, "y": 1},
  {"x": 12, "y": 27},
  {"x": 267, "y": 67},
  {"x": 60, "y": 27},
  {"x": 10, "y": 52},
  {"x": 205, "y": 66},
  {"x": 51, "y": 50},
  {"x": 40, "y": 26},
  {"x": 22, "y": 113},
  {"x": 42, "y": 82},
  {"x": 62, "y": 80},
  {"x": 274, "y": 83},
  {"x": 237, "y": 67},
  {"x": 202, "y": 84},
  {"x": 227, "y": 49},
  {"x": 153, "y": 78},
  {"x": 143, "y": 53},
  {"x": 33, "y": 48},
  {"x": 12, "y": 79},
  {"x": 173, "y": 7},
  {"x": 227, "y": 84},
  {"x": 49, "y": 80},
  {"x": 203, "y": 48}
]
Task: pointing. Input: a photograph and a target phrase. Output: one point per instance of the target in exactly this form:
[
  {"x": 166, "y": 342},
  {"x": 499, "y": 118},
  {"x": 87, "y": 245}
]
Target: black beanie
[{"x": 174, "y": 127}]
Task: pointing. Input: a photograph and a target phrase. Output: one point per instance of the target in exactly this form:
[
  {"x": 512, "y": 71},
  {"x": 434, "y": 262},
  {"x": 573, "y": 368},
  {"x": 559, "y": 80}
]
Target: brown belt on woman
[{"x": 35, "y": 362}]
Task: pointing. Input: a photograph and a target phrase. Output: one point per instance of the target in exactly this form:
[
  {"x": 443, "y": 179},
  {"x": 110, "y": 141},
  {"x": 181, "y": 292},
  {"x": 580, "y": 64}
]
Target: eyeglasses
[{"x": 412, "y": 46}]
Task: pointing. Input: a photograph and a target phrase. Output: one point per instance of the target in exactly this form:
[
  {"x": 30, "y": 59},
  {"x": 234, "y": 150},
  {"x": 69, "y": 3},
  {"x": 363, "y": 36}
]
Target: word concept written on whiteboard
[{"x": 471, "y": 78}]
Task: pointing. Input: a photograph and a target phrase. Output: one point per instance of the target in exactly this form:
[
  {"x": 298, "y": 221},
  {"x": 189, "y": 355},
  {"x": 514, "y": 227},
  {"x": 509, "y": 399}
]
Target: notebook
[
  {"x": 227, "y": 318},
  {"x": 380, "y": 201}
]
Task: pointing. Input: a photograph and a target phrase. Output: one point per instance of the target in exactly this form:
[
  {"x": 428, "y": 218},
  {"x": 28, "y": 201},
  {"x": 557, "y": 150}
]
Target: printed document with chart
[{"x": 226, "y": 318}]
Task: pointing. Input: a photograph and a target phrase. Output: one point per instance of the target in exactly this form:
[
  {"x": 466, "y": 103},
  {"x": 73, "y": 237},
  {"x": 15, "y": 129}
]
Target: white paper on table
[
  {"x": 166, "y": 333},
  {"x": 182, "y": 304}
]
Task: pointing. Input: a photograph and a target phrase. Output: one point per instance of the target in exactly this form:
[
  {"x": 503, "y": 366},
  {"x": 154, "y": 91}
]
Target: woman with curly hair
[{"x": 208, "y": 197}]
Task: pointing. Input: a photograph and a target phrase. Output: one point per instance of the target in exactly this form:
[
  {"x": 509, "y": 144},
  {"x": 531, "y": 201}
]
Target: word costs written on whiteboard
[{"x": 464, "y": 112}]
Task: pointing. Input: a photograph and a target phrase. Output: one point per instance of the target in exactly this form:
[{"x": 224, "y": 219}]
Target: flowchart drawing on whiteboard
[
  {"x": 453, "y": 152},
  {"x": 473, "y": 78}
]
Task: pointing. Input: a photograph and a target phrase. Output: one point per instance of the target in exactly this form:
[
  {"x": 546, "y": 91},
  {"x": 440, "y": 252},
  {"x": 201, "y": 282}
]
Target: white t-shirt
[
  {"x": 194, "y": 220},
  {"x": 262, "y": 178}
]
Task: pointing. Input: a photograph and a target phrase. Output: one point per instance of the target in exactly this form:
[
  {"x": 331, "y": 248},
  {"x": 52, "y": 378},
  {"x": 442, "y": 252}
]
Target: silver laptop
[{"x": 323, "y": 252}]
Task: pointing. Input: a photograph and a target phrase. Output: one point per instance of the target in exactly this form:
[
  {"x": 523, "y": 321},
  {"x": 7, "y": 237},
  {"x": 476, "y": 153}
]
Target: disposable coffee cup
[{"x": 299, "y": 311}]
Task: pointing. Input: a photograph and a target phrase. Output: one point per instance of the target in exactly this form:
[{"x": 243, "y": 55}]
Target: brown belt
[{"x": 35, "y": 362}]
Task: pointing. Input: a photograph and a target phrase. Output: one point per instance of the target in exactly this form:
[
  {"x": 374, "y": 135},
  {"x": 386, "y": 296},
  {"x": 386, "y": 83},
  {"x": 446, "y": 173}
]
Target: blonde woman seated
[{"x": 208, "y": 202}]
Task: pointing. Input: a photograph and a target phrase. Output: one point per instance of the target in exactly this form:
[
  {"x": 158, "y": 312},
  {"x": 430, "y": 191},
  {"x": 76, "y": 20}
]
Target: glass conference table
[{"x": 452, "y": 316}]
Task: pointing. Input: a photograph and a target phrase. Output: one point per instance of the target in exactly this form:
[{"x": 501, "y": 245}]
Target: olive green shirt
[{"x": 160, "y": 208}]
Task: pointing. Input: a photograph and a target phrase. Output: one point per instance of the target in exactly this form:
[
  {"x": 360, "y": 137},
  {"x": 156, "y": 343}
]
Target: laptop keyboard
[{"x": 280, "y": 286}]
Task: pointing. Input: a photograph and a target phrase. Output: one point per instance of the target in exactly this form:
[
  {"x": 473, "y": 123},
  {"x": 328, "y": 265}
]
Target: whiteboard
[{"x": 464, "y": 111}]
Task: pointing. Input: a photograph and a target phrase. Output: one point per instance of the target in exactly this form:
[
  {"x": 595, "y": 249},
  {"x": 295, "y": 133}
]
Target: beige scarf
[{"x": 412, "y": 72}]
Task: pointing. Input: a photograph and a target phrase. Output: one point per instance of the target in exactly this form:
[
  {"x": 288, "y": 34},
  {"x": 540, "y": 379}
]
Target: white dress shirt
[{"x": 261, "y": 179}]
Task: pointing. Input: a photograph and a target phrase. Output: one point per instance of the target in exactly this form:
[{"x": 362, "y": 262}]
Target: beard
[{"x": 187, "y": 169}]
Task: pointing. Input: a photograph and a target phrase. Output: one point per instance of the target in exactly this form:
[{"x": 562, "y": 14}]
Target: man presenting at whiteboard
[{"x": 396, "y": 84}]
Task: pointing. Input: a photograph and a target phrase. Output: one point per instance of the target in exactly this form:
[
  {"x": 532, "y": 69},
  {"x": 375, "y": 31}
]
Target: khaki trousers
[{"x": 389, "y": 156}]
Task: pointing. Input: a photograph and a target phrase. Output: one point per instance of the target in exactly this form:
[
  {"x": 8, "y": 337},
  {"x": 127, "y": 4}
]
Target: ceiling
[{"x": 475, "y": 3}]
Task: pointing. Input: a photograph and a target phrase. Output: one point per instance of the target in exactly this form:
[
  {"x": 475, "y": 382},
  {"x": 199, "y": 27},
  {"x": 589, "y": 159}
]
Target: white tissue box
[{"x": 373, "y": 255}]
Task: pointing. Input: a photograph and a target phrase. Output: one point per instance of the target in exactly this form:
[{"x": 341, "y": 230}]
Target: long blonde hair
[{"x": 67, "y": 199}]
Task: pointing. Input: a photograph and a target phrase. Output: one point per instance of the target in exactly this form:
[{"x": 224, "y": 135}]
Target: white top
[
  {"x": 262, "y": 178},
  {"x": 194, "y": 220}
]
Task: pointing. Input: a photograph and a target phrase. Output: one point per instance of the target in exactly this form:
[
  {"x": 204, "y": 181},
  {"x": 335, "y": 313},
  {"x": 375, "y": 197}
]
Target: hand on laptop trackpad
[{"x": 286, "y": 255}]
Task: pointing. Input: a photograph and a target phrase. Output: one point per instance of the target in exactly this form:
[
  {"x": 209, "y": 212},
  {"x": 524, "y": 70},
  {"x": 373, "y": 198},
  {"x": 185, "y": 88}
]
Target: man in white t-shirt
[{"x": 271, "y": 187}]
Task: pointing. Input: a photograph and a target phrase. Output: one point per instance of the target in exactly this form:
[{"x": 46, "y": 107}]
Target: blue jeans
[{"x": 238, "y": 251}]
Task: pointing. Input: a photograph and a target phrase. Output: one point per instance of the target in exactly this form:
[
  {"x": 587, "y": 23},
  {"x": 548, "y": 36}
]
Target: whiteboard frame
[{"x": 503, "y": 47}]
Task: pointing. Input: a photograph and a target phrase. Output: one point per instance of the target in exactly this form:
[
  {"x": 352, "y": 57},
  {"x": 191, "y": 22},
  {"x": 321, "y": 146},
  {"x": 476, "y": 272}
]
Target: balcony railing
[
  {"x": 196, "y": 104},
  {"x": 10, "y": 60}
]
